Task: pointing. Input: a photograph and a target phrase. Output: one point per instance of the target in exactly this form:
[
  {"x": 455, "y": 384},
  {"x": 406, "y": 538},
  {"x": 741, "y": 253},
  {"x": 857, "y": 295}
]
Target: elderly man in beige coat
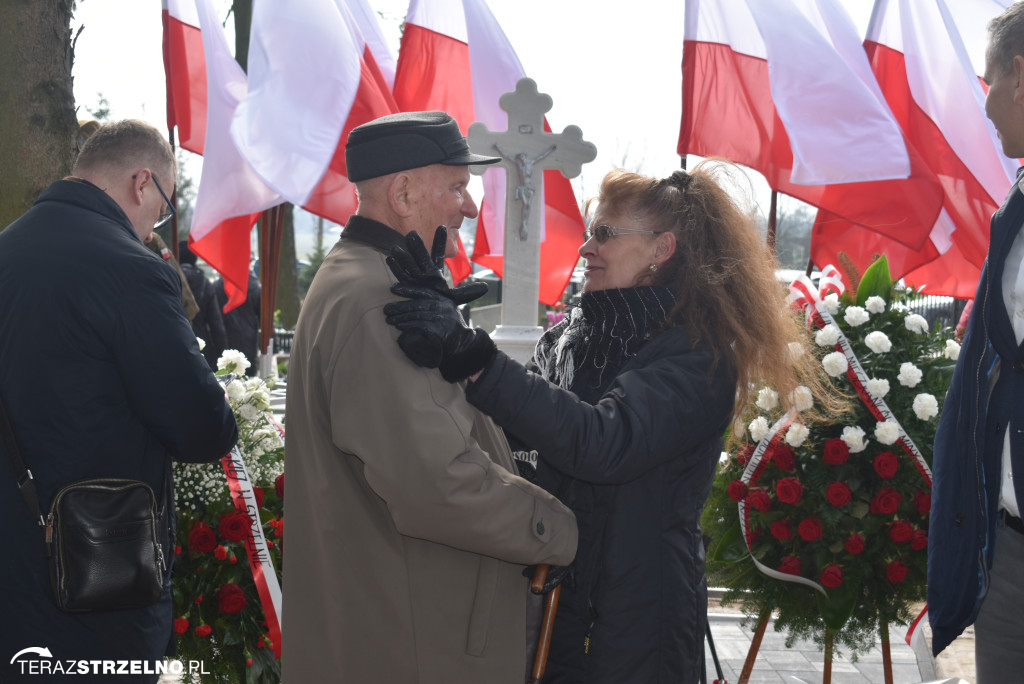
[{"x": 408, "y": 529}]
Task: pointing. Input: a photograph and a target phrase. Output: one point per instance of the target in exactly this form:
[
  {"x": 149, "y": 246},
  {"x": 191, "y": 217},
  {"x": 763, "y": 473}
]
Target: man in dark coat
[
  {"x": 101, "y": 377},
  {"x": 208, "y": 323},
  {"x": 243, "y": 322}
]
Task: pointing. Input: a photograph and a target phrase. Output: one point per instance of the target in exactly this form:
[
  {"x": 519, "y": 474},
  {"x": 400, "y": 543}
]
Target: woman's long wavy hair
[{"x": 723, "y": 276}]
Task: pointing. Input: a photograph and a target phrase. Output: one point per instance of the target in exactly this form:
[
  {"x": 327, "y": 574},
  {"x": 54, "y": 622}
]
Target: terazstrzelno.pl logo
[{"x": 35, "y": 660}]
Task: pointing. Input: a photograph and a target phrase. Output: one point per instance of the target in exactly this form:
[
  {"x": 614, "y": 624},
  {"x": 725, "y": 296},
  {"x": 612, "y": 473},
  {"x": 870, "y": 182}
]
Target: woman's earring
[{"x": 652, "y": 268}]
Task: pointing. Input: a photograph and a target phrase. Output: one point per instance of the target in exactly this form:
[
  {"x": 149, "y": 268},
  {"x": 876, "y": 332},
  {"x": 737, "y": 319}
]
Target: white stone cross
[{"x": 526, "y": 150}]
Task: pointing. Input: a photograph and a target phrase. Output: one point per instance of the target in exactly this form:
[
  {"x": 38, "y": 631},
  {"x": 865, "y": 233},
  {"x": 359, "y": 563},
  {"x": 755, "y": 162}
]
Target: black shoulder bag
[{"x": 101, "y": 538}]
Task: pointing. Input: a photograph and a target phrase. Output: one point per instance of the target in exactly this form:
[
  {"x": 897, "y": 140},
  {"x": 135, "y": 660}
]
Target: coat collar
[
  {"x": 373, "y": 233},
  {"x": 83, "y": 194}
]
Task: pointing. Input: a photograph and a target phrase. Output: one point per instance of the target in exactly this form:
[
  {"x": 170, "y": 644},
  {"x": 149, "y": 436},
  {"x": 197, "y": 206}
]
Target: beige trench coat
[{"x": 407, "y": 530}]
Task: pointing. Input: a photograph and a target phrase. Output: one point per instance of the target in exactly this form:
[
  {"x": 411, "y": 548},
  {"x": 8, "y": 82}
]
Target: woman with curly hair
[{"x": 626, "y": 402}]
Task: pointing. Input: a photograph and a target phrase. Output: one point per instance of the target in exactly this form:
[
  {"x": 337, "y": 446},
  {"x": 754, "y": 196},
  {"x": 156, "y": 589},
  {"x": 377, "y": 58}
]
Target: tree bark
[
  {"x": 288, "y": 274},
  {"x": 38, "y": 129}
]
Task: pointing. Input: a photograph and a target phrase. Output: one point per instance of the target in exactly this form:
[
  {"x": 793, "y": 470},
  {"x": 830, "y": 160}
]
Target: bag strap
[{"x": 26, "y": 483}]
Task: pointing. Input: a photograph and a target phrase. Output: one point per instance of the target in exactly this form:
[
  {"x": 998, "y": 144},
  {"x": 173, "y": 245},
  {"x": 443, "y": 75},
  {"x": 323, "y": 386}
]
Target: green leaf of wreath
[
  {"x": 730, "y": 548},
  {"x": 837, "y": 608},
  {"x": 876, "y": 282}
]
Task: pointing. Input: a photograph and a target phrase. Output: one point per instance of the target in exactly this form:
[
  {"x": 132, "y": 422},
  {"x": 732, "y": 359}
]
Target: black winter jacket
[
  {"x": 101, "y": 377},
  {"x": 636, "y": 465}
]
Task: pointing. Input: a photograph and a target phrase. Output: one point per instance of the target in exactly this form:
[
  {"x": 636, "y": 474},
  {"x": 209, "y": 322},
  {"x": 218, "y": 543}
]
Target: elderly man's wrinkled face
[{"x": 439, "y": 197}]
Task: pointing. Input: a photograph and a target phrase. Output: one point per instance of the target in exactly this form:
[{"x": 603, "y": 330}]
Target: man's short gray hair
[
  {"x": 1006, "y": 37},
  {"x": 123, "y": 145}
]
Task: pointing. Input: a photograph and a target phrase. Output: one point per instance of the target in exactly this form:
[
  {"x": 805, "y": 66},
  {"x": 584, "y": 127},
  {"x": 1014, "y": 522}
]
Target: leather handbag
[{"x": 102, "y": 538}]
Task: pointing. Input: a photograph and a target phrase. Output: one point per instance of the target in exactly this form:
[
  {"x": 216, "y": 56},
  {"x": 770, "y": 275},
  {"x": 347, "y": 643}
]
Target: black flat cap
[{"x": 409, "y": 140}]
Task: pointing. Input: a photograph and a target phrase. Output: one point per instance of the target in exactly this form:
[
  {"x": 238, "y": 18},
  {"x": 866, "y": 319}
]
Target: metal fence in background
[{"x": 283, "y": 341}]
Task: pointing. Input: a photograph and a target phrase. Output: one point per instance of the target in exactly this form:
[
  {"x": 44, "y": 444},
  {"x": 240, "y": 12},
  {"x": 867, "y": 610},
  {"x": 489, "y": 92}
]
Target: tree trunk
[
  {"x": 38, "y": 129},
  {"x": 288, "y": 273}
]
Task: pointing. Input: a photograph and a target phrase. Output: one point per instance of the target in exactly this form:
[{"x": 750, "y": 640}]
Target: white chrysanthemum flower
[
  {"x": 797, "y": 434},
  {"x": 878, "y": 342},
  {"x": 802, "y": 398},
  {"x": 249, "y": 412},
  {"x": 236, "y": 391},
  {"x": 827, "y": 336},
  {"x": 910, "y": 375},
  {"x": 202, "y": 343},
  {"x": 830, "y": 303},
  {"x": 796, "y": 350},
  {"x": 926, "y": 406},
  {"x": 875, "y": 304},
  {"x": 835, "y": 364},
  {"x": 854, "y": 438},
  {"x": 952, "y": 350},
  {"x": 877, "y": 387},
  {"x": 233, "y": 361},
  {"x": 767, "y": 399},
  {"x": 758, "y": 428},
  {"x": 856, "y": 315},
  {"x": 887, "y": 432},
  {"x": 916, "y": 323}
]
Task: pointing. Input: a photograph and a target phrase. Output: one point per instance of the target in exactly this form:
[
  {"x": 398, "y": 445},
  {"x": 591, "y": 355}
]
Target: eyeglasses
[
  {"x": 604, "y": 232},
  {"x": 169, "y": 213}
]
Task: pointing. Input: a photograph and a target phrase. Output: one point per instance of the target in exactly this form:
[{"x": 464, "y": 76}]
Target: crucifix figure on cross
[{"x": 526, "y": 148}]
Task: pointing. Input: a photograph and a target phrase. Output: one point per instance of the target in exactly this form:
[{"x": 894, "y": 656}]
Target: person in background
[
  {"x": 625, "y": 402},
  {"x": 242, "y": 324},
  {"x": 408, "y": 529},
  {"x": 208, "y": 323},
  {"x": 101, "y": 377},
  {"x": 975, "y": 536}
]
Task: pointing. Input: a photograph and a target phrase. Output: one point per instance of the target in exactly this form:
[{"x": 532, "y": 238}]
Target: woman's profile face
[{"x": 621, "y": 259}]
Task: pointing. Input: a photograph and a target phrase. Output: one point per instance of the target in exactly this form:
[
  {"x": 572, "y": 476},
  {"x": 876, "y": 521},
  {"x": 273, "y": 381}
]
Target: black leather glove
[
  {"x": 417, "y": 267},
  {"x": 434, "y": 334},
  {"x": 556, "y": 575}
]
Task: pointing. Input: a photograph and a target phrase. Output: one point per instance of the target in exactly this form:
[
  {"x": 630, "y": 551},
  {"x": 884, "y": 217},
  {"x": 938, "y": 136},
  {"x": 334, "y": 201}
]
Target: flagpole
[
  {"x": 174, "y": 201},
  {"x": 772, "y": 220}
]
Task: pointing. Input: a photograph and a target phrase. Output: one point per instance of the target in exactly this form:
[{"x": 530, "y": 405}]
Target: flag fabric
[
  {"x": 455, "y": 57},
  {"x": 818, "y": 129},
  {"x": 923, "y": 67},
  {"x": 376, "y": 49},
  {"x": 293, "y": 123},
  {"x": 185, "y": 72},
  {"x": 231, "y": 195}
]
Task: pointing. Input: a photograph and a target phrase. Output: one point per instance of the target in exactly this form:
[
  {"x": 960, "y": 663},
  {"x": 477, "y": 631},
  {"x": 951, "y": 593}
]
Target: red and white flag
[
  {"x": 293, "y": 124},
  {"x": 783, "y": 86},
  {"x": 931, "y": 84},
  {"x": 185, "y": 71},
  {"x": 231, "y": 195},
  {"x": 455, "y": 57}
]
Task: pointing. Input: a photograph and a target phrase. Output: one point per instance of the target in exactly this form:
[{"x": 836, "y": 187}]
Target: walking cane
[{"x": 540, "y": 662}]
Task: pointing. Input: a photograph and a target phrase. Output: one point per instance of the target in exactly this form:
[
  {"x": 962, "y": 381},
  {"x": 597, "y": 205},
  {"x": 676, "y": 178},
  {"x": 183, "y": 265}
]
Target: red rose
[
  {"x": 854, "y": 544},
  {"x": 737, "y": 490},
  {"x": 784, "y": 458},
  {"x": 279, "y": 486},
  {"x": 836, "y": 451},
  {"x": 177, "y": 550},
  {"x": 895, "y": 572},
  {"x": 204, "y": 630},
  {"x": 791, "y": 566},
  {"x": 886, "y": 465},
  {"x": 919, "y": 540},
  {"x": 789, "y": 490},
  {"x": 202, "y": 539},
  {"x": 831, "y": 576},
  {"x": 234, "y": 526},
  {"x": 900, "y": 531},
  {"x": 180, "y": 625},
  {"x": 220, "y": 553},
  {"x": 809, "y": 529},
  {"x": 744, "y": 453},
  {"x": 923, "y": 501},
  {"x": 230, "y": 598},
  {"x": 886, "y": 501},
  {"x": 759, "y": 499},
  {"x": 838, "y": 493},
  {"x": 258, "y": 493},
  {"x": 781, "y": 529}
]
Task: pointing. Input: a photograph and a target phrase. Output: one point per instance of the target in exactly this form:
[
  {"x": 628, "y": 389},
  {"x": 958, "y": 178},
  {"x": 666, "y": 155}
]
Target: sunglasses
[{"x": 604, "y": 232}]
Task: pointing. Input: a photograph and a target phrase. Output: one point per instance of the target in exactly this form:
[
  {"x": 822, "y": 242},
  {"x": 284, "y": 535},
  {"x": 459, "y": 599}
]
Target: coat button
[
  {"x": 958, "y": 520},
  {"x": 540, "y": 528}
]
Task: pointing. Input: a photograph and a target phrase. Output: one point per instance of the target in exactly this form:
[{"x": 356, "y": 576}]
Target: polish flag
[
  {"x": 923, "y": 67},
  {"x": 455, "y": 57},
  {"x": 784, "y": 86},
  {"x": 185, "y": 71},
  {"x": 309, "y": 85},
  {"x": 231, "y": 195}
]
